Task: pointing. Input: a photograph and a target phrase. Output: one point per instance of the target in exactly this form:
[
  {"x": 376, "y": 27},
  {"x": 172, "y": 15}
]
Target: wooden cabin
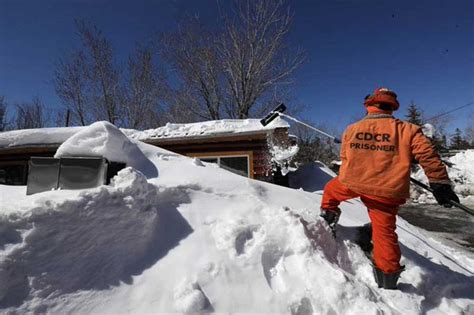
[{"x": 240, "y": 146}]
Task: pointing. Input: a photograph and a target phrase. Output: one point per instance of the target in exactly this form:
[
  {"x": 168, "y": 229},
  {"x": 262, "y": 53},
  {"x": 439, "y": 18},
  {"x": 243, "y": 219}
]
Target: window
[
  {"x": 235, "y": 162},
  {"x": 13, "y": 175}
]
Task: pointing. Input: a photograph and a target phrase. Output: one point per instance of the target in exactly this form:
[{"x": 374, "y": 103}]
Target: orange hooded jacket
[{"x": 377, "y": 153}]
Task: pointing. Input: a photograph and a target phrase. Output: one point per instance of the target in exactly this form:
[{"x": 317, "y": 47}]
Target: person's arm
[
  {"x": 425, "y": 153},
  {"x": 344, "y": 146}
]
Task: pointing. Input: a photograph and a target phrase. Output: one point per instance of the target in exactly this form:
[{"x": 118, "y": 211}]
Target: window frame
[{"x": 219, "y": 155}]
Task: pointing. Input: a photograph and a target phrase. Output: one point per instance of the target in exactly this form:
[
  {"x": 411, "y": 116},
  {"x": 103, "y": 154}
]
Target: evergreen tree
[
  {"x": 469, "y": 132},
  {"x": 457, "y": 141},
  {"x": 414, "y": 114}
]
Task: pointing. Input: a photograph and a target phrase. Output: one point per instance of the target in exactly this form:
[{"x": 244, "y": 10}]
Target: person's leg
[
  {"x": 386, "y": 251},
  {"x": 335, "y": 193}
]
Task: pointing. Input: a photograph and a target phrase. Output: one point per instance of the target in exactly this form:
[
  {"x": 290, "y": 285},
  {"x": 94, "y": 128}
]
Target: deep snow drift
[{"x": 199, "y": 239}]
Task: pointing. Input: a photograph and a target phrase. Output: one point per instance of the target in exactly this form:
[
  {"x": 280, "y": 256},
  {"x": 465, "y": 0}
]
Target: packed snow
[
  {"x": 207, "y": 128},
  {"x": 195, "y": 238},
  {"x": 461, "y": 172},
  {"x": 40, "y": 136}
]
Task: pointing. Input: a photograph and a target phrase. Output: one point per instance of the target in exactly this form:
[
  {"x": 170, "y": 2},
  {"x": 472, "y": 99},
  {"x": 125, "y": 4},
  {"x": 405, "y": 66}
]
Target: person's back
[{"x": 376, "y": 155}]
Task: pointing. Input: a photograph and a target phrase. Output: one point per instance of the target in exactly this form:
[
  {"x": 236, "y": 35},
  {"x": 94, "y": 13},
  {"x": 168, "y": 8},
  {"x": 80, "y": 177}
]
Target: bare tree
[
  {"x": 71, "y": 84},
  {"x": 102, "y": 72},
  {"x": 469, "y": 132},
  {"x": 240, "y": 70},
  {"x": 31, "y": 115},
  {"x": 253, "y": 53},
  {"x": 440, "y": 124},
  {"x": 179, "y": 112},
  {"x": 191, "y": 51},
  {"x": 88, "y": 81},
  {"x": 145, "y": 91},
  {"x": 312, "y": 146},
  {"x": 3, "y": 113}
]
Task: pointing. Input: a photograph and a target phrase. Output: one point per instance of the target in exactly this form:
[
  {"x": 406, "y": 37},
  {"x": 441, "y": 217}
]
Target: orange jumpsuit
[{"x": 376, "y": 155}]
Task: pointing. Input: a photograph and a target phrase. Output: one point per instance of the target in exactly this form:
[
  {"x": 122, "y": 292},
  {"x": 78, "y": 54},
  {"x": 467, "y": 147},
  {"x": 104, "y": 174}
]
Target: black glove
[{"x": 444, "y": 194}]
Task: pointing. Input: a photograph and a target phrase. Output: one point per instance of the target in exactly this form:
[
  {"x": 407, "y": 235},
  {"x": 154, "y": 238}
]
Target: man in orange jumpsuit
[{"x": 376, "y": 155}]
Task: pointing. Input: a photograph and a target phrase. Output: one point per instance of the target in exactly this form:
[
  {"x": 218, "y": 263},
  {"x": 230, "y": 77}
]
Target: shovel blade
[{"x": 273, "y": 114}]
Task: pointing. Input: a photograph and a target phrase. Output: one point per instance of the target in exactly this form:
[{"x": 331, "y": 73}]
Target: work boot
[
  {"x": 378, "y": 276},
  {"x": 387, "y": 280},
  {"x": 364, "y": 239},
  {"x": 330, "y": 216}
]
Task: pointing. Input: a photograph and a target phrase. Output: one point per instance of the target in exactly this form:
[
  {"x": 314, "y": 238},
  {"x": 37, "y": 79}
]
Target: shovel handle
[{"x": 452, "y": 202}]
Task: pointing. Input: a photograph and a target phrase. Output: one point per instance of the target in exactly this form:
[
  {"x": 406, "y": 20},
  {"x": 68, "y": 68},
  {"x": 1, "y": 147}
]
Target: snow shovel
[
  {"x": 452, "y": 202},
  {"x": 278, "y": 111},
  {"x": 273, "y": 114}
]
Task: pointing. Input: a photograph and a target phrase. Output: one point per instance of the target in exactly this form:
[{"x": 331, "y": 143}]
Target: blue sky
[{"x": 424, "y": 50}]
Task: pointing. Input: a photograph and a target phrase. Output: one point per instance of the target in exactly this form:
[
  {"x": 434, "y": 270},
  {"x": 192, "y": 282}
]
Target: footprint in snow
[
  {"x": 302, "y": 307},
  {"x": 244, "y": 239},
  {"x": 197, "y": 162},
  {"x": 189, "y": 298},
  {"x": 271, "y": 257}
]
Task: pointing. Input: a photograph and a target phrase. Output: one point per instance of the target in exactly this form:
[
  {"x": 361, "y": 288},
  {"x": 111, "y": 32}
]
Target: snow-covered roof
[{"x": 207, "y": 129}]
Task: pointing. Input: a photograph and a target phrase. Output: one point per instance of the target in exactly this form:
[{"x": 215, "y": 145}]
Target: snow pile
[
  {"x": 199, "y": 239},
  {"x": 78, "y": 240},
  {"x": 105, "y": 140},
  {"x": 461, "y": 174}
]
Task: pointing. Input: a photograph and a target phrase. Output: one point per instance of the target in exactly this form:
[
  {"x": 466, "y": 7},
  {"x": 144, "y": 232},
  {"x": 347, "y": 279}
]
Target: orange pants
[{"x": 382, "y": 213}]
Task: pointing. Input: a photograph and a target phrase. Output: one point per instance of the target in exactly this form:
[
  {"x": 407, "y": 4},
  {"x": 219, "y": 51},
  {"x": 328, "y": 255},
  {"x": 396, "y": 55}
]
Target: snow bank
[
  {"x": 461, "y": 174},
  {"x": 71, "y": 241},
  {"x": 198, "y": 239},
  {"x": 104, "y": 139}
]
